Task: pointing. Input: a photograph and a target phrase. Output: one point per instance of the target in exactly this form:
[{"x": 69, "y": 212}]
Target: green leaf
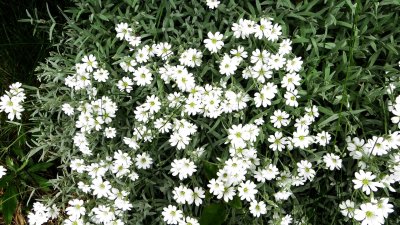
[
  {"x": 9, "y": 203},
  {"x": 40, "y": 167},
  {"x": 210, "y": 170},
  {"x": 213, "y": 214},
  {"x": 236, "y": 202}
]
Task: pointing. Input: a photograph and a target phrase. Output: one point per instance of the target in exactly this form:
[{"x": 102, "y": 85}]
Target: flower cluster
[
  {"x": 368, "y": 179},
  {"x": 374, "y": 212},
  {"x": 164, "y": 112},
  {"x": 42, "y": 213},
  {"x": 11, "y": 102}
]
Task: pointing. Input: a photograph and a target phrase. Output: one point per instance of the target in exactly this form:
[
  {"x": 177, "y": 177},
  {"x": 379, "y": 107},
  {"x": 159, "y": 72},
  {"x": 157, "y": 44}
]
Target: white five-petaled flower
[
  {"x": 332, "y": 161},
  {"x": 172, "y": 215},
  {"x": 347, "y": 208},
  {"x": 123, "y": 31},
  {"x": 214, "y": 42},
  {"x": 257, "y": 208},
  {"x": 364, "y": 180},
  {"x": 247, "y": 190},
  {"x": 368, "y": 214},
  {"x": 143, "y": 161}
]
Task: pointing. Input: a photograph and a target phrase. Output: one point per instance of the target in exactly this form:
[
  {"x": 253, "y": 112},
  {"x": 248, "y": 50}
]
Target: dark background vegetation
[{"x": 22, "y": 47}]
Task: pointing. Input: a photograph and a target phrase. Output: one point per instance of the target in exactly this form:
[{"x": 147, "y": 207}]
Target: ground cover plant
[{"x": 218, "y": 112}]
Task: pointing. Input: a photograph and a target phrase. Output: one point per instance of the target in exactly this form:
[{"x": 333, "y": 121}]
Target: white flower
[
  {"x": 101, "y": 75},
  {"x": 243, "y": 29},
  {"x": 290, "y": 81},
  {"x": 162, "y": 125},
  {"x": 163, "y": 50},
  {"x": 191, "y": 57},
  {"x": 41, "y": 214},
  {"x": 133, "y": 176},
  {"x": 78, "y": 165},
  {"x": 131, "y": 142},
  {"x": 76, "y": 209},
  {"x": 263, "y": 29},
  {"x": 182, "y": 194},
  {"x": 277, "y": 141},
  {"x": 247, "y": 190},
  {"x": 259, "y": 121},
  {"x": 332, "y": 161},
  {"x": 368, "y": 214},
  {"x": 303, "y": 123},
  {"x": 285, "y": 47},
  {"x": 37, "y": 218},
  {"x": 142, "y": 56},
  {"x": 11, "y": 105},
  {"x": 84, "y": 187},
  {"x": 3, "y": 171},
  {"x": 377, "y": 146},
  {"x": 134, "y": 41},
  {"x": 212, "y": 4},
  {"x": 110, "y": 132},
  {"x": 100, "y": 188},
  {"x": 67, "y": 109},
  {"x": 364, "y": 180},
  {"x": 179, "y": 139},
  {"x": 143, "y": 161},
  {"x": 103, "y": 214},
  {"x": 189, "y": 221},
  {"x": 286, "y": 220},
  {"x": 257, "y": 208},
  {"x": 125, "y": 84},
  {"x": 282, "y": 195},
  {"x": 172, "y": 215},
  {"x": 304, "y": 168},
  {"x": 184, "y": 80},
  {"x": 182, "y": 167},
  {"x": 142, "y": 76},
  {"x": 356, "y": 147},
  {"x": 216, "y": 187},
  {"x": 214, "y": 42},
  {"x": 53, "y": 212},
  {"x": 198, "y": 195},
  {"x": 323, "y": 138},
  {"x": 276, "y": 61},
  {"x": 122, "y": 158},
  {"x": 259, "y": 57},
  {"x": 384, "y": 207},
  {"x": 347, "y": 208},
  {"x": 123, "y": 31},
  {"x": 73, "y": 221},
  {"x": 228, "y": 65},
  {"x": 280, "y": 118},
  {"x": 239, "y": 53},
  {"x": 275, "y": 33},
  {"x": 267, "y": 93},
  {"x": 153, "y": 104},
  {"x": 301, "y": 139},
  {"x": 294, "y": 65},
  {"x": 291, "y": 98},
  {"x": 238, "y": 136},
  {"x": 89, "y": 62}
]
